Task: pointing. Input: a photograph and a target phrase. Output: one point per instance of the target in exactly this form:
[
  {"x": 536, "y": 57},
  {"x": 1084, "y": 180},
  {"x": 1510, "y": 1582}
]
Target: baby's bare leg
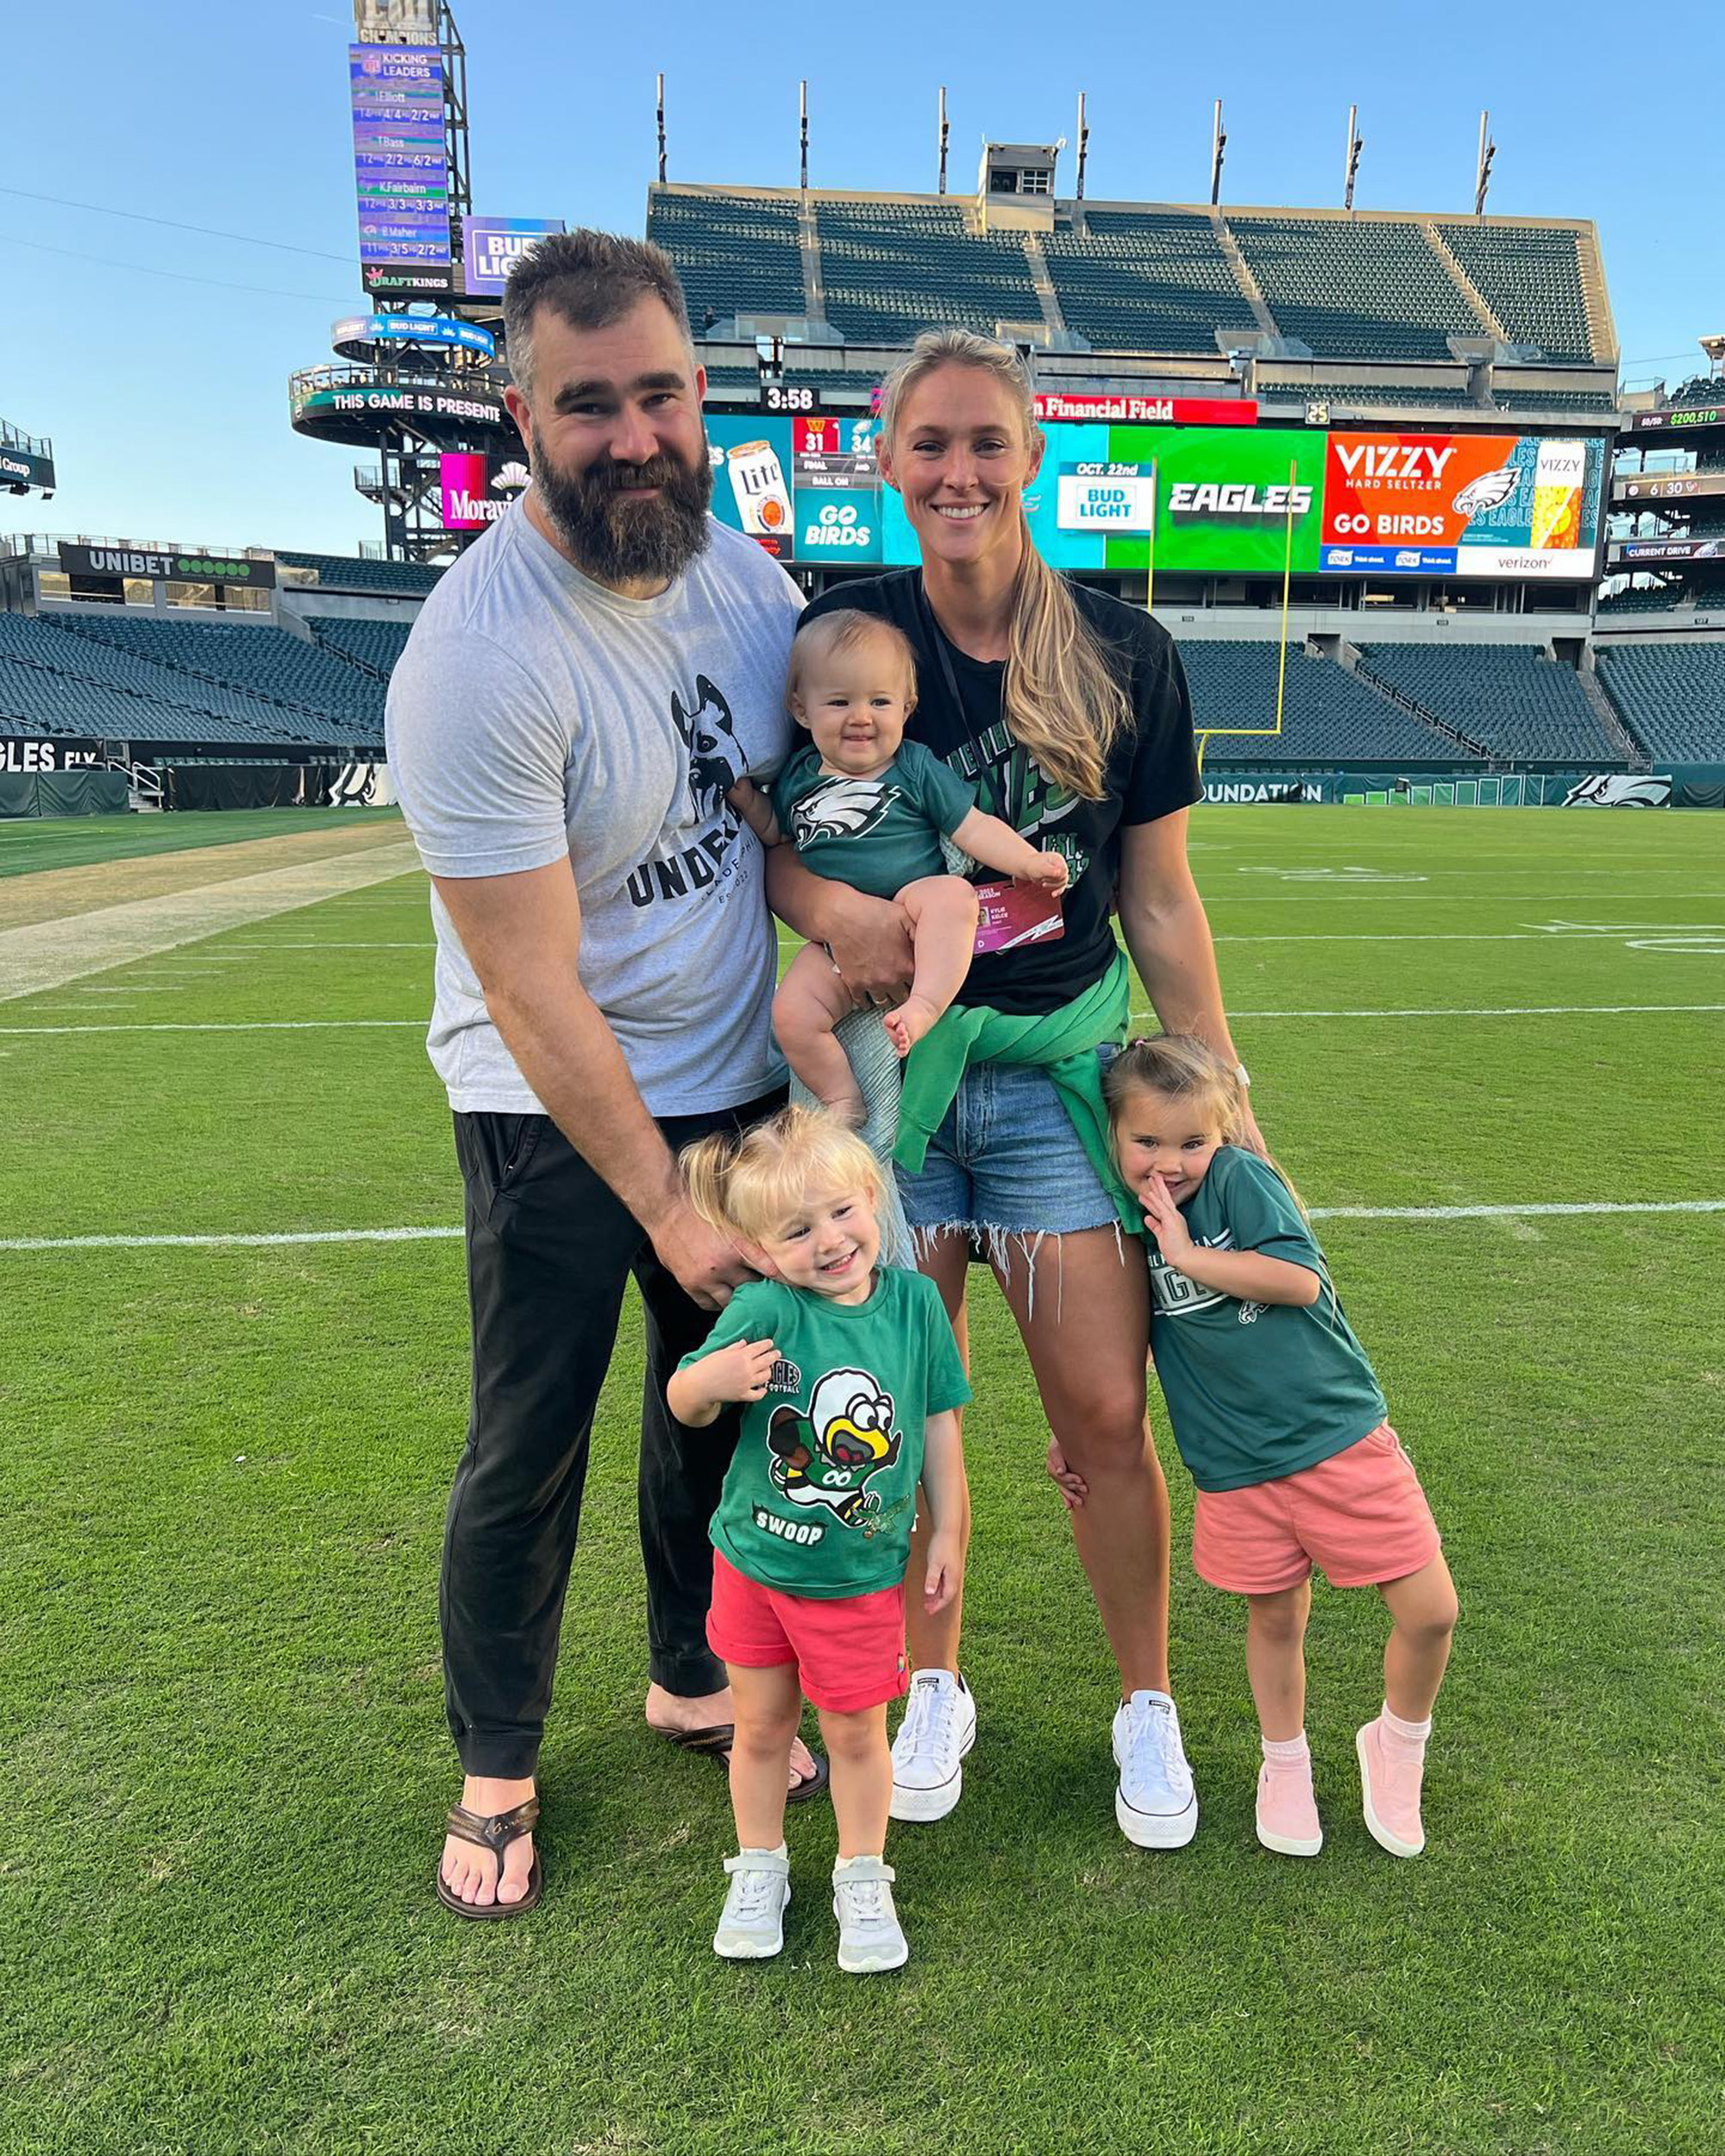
[
  {"x": 811, "y": 1001},
  {"x": 942, "y": 913}
]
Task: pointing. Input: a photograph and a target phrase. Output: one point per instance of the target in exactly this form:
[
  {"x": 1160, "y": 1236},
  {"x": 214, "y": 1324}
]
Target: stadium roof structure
[{"x": 1365, "y": 307}]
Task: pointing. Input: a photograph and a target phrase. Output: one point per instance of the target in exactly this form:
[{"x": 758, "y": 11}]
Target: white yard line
[
  {"x": 449, "y": 1234},
  {"x": 1482, "y": 1011},
  {"x": 220, "y": 1025}
]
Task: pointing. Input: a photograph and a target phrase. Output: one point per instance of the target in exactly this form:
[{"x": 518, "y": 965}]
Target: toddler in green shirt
[
  {"x": 1279, "y": 1415},
  {"x": 850, "y": 1379},
  {"x": 863, "y": 804}
]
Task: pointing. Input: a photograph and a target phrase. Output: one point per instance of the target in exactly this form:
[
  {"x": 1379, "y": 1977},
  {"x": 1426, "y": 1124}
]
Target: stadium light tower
[
  {"x": 1488, "y": 150},
  {"x": 661, "y": 130},
  {"x": 943, "y": 133},
  {"x": 1084, "y": 144},
  {"x": 1219, "y": 143},
  {"x": 804, "y": 94},
  {"x": 1356, "y": 144}
]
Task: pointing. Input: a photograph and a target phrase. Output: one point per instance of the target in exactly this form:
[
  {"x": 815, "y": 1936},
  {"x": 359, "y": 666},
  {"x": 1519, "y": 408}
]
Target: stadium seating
[
  {"x": 1511, "y": 399},
  {"x": 1367, "y": 397},
  {"x": 1531, "y": 279},
  {"x": 1355, "y": 288},
  {"x": 1328, "y": 714},
  {"x": 1672, "y": 696},
  {"x": 889, "y": 269},
  {"x": 1509, "y": 698},
  {"x": 57, "y": 682},
  {"x": 1154, "y": 280},
  {"x": 348, "y": 573},
  {"x": 1644, "y": 601},
  {"x": 735, "y": 253},
  {"x": 1699, "y": 389},
  {"x": 266, "y": 661},
  {"x": 374, "y": 645}
]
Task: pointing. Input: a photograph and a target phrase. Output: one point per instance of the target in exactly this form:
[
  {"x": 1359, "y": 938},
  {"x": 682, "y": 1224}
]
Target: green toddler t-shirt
[
  {"x": 879, "y": 834},
  {"x": 821, "y": 1491},
  {"x": 1255, "y": 1390}
]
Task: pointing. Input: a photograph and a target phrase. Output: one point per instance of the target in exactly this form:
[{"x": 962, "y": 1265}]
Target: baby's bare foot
[{"x": 906, "y": 1024}]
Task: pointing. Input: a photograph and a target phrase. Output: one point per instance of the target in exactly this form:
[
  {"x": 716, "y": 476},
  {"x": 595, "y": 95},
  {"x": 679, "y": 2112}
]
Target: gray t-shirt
[{"x": 535, "y": 714}]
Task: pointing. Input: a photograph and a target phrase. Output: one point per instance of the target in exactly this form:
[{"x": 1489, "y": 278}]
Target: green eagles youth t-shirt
[
  {"x": 879, "y": 834},
  {"x": 821, "y": 1491},
  {"x": 1255, "y": 1390}
]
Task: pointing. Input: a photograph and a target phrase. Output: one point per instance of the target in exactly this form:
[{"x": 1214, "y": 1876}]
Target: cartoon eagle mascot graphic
[{"x": 827, "y": 1456}]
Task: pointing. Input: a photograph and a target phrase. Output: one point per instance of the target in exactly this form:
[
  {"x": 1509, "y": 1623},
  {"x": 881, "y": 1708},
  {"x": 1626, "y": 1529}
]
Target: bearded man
[{"x": 573, "y": 693}]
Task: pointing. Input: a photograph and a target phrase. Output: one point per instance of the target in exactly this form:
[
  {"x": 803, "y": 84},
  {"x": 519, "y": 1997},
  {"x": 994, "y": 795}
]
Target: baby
[{"x": 864, "y": 805}]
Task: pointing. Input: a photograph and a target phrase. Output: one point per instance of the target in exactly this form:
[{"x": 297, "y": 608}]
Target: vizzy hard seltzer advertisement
[{"x": 1460, "y": 505}]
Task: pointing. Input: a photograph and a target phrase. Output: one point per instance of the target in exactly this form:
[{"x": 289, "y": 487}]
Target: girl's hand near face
[{"x": 1165, "y": 1222}]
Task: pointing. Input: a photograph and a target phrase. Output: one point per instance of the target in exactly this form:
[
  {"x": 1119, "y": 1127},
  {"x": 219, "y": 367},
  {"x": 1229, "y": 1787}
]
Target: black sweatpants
[{"x": 550, "y": 1246}]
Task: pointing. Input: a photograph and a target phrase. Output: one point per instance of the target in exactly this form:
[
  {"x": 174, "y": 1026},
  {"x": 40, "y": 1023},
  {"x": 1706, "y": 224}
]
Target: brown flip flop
[
  {"x": 715, "y": 1742},
  {"x": 494, "y": 1833}
]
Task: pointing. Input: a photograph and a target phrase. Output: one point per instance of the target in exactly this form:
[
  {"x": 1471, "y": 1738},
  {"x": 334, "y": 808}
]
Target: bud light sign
[
  {"x": 490, "y": 247},
  {"x": 1106, "y": 497}
]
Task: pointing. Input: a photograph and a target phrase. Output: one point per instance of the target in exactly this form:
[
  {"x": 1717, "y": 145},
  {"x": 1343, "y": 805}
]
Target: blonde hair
[
  {"x": 1181, "y": 1067},
  {"x": 844, "y": 627},
  {"x": 749, "y": 1186},
  {"x": 1065, "y": 701}
]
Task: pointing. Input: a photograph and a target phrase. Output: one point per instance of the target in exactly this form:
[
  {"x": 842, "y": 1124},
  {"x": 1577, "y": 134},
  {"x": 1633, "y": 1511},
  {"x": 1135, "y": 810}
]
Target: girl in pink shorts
[
  {"x": 850, "y": 1380},
  {"x": 1277, "y": 1415}
]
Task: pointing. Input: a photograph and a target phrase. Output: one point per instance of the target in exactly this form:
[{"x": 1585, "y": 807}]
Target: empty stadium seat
[
  {"x": 1672, "y": 696},
  {"x": 264, "y": 660},
  {"x": 375, "y": 645},
  {"x": 1509, "y": 698}
]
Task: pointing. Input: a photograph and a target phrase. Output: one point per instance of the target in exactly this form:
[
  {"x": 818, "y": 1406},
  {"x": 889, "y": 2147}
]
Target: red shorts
[
  {"x": 850, "y": 1653},
  {"x": 1360, "y": 1515}
]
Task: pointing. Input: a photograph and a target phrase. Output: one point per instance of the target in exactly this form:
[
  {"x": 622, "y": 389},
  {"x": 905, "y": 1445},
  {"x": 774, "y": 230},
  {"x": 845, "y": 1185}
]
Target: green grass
[
  {"x": 30, "y": 843},
  {"x": 218, "y": 1649}
]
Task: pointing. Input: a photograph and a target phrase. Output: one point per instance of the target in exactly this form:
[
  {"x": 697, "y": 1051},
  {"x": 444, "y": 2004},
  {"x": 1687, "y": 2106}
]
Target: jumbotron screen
[{"x": 1211, "y": 500}]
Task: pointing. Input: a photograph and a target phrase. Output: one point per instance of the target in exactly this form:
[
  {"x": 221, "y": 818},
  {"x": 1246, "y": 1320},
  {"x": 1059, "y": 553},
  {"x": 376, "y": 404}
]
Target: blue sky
[{"x": 166, "y": 398}]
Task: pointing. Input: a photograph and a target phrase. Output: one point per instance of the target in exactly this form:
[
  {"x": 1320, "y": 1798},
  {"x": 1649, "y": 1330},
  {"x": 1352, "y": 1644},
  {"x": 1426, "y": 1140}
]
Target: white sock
[
  {"x": 782, "y": 1851},
  {"x": 1287, "y": 1752}
]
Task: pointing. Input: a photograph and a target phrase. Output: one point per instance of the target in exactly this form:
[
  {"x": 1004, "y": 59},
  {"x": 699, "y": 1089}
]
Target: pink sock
[
  {"x": 1404, "y": 1740},
  {"x": 1287, "y": 1752}
]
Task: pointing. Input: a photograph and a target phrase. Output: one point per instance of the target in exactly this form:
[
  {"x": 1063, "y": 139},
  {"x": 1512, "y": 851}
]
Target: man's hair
[{"x": 590, "y": 279}]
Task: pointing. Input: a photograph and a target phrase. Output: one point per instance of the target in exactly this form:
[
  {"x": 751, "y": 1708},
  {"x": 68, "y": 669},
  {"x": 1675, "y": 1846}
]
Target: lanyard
[{"x": 936, "y": 639}]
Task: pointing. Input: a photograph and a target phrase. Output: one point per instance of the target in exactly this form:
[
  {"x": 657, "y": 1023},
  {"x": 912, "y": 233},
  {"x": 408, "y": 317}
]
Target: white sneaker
[
  {"x": 752, "y": 1926},
  {"x": 869, "y": 1937},
  {"x": 1155, "y": 1803},
  {"x": 939, "y": 1728}
]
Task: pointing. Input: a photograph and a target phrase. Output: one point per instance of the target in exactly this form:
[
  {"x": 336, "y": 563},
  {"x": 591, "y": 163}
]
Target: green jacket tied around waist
[{"x": 1062, "y": 1041}]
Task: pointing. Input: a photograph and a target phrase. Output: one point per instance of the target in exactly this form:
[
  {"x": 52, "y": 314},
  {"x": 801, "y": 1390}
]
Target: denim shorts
[{"x": 1007, "y": 1158}]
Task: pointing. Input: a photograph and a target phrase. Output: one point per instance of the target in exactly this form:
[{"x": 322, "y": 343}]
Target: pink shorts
[
  {"x": 1360, "y": 1515},
  {"x": 850, "y": 1653}
]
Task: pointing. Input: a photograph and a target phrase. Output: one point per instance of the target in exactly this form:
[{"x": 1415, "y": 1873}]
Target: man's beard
[{"x": 616, "y": 538}]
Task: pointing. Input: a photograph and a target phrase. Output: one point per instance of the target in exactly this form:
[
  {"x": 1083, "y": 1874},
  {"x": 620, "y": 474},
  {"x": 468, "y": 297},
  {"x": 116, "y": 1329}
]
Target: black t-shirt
[{"x": 1152, "y": 770}]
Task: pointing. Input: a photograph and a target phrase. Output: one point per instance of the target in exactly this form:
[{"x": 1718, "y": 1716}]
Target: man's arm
[
  {"x": 867, "y": 937},
  {"x": 1168, "y": 937},
  {"x": 522, "y": 934}
]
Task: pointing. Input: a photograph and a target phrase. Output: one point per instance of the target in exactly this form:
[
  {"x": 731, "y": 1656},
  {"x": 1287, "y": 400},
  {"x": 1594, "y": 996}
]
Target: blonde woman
[{"x": 1067, "y": 711}]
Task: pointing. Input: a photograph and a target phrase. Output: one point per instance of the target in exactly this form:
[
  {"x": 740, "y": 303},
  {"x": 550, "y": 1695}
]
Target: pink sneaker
[
  {"x": 1390, "y": 1788},
  {"x": 1287, "y": 1811}
]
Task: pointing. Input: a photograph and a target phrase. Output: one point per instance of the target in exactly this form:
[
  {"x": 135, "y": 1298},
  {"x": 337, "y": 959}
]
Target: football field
[{"x": 1486, "y": 1044}]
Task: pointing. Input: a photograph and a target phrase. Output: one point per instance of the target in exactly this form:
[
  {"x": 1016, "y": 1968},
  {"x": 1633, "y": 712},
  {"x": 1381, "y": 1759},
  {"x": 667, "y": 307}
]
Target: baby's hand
[
  {"x": 1166, "y": 1221},
  {"x": 739, "y": 1372},
  {"x": 1049, "y": 872}
]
